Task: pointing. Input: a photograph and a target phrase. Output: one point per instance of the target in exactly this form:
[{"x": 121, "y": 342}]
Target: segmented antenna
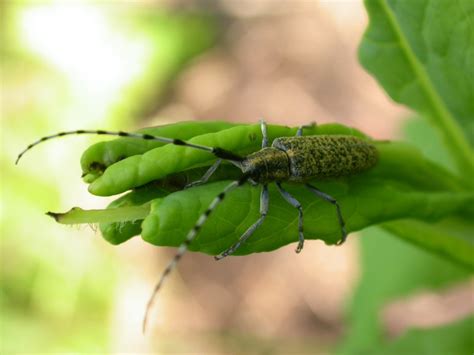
[
  {"x": 184, "y": 246},
  {"x": 218, "y": 152}
]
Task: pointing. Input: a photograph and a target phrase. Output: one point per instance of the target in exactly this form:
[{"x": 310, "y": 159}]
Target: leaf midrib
[{"x": 460, "y": 149}]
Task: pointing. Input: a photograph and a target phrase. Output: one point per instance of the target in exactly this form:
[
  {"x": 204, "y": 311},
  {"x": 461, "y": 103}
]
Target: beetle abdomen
[{"x": 326, "y": 156}]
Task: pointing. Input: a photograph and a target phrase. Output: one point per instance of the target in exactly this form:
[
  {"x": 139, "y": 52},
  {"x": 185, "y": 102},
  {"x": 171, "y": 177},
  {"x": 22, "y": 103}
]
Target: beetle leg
[
  {"x": 299, "y": 132},
  {"x": 263, "y": 127},
  {"x": 185, "y": 244},
  {"x": 206, "y": 176},
  {"x": 295, "y": 203},
  {"x": 332, "y": 200},
  {"x": 252, "y": 182},
  {"x": 264, "y": 199}
]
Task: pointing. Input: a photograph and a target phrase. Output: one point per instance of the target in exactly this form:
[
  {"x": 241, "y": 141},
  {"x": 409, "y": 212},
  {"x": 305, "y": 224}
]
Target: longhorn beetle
[{"x": 289, "y": 159}]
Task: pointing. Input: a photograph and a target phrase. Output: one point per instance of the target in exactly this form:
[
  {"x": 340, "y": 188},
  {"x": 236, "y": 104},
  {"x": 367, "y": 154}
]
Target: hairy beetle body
[{"x": 303, "y": 158}]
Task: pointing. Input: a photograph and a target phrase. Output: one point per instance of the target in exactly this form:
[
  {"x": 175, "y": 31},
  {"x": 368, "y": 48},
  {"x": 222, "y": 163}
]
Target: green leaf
[
  {"x": 399, "y": 177},
  {"x": 426, "y": 138},
  {"x": 451, "y": 237},
  {"x": 456, "y": 338},
  {"x": 103, "y": 154},
  {"x": 406, "y": 267},
  {"x": 360, "y": 197},
  {"x": 422, "y": 53},
  {"x": 121, "y": 230},
  {"x": 398, "y": 182}
]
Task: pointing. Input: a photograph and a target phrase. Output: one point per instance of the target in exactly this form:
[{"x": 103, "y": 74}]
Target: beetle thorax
[{"x": 267, "y": 165}]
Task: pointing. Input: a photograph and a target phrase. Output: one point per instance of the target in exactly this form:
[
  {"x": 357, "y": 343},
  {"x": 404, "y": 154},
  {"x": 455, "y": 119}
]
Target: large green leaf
[
  {"x": 452, "y": 237},
  {"x": 398, "y": 183},
  {"x": 407, "y": 268},
  {"x": 365, "y": 200},
  {"x": 422, "y": 53},
  {"x": 396, "y": 188}
]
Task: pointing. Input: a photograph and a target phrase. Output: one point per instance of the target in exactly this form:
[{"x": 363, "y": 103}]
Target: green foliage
[
  {"x": 450, "y": 233},
  {"x": 399, "y": 177},
  {"x": 103, "y": 154},
  {"x": 120, "y": 232},
  {"x": 422, "y": 54},
  {"x": 360, "y": 198},
  {"x": 449, "y": 237},
  {"x": 455, "y": 338},
  {"x": 406, "y": 268}
]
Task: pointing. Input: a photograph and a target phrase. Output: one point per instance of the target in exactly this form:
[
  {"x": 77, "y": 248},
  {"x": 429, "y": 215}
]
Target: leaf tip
[{"x": 54, "y": 215}]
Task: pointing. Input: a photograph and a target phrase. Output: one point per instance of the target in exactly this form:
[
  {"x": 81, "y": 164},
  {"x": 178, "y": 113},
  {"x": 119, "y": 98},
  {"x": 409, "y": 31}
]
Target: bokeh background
[{"x": 126, "y": 65}]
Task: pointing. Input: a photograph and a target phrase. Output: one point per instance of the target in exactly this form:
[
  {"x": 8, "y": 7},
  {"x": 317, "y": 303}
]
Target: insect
[{"x": 296, "y": 159}]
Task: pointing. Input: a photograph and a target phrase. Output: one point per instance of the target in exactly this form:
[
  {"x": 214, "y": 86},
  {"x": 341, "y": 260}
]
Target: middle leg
[
  {"x": 333, "y": 201},
  {"x": 206, "y": 176}
]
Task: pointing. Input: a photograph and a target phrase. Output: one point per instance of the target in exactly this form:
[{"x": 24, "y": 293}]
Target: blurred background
[{"x": 124, "y": 65}]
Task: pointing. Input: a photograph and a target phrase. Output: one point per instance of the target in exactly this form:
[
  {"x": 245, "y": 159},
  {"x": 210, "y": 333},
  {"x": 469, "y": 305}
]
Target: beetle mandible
[{"x": 288, "y": 159}]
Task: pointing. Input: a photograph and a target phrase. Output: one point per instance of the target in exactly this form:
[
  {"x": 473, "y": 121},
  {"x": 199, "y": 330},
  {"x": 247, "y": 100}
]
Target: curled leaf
[{"x": 103, "y": 154}]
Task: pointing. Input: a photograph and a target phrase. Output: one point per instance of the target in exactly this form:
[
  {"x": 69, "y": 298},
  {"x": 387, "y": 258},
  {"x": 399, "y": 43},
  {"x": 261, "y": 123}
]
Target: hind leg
[
  {"x": 295, "y": 203},
  {"x": 332, "y": 200}
]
